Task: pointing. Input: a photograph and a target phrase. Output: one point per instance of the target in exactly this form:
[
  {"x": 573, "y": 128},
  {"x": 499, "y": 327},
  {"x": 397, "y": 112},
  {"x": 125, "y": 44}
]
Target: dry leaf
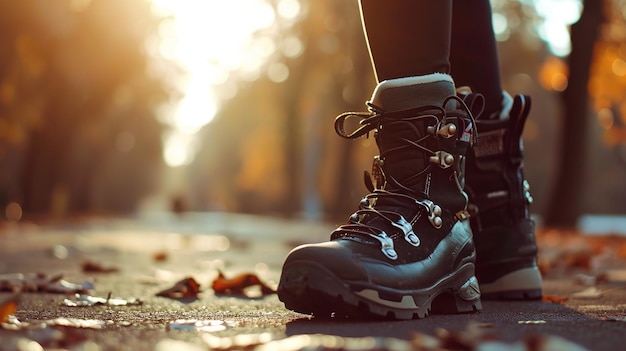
[
  {"x": 237, "y": 285},
  {"x": 87, "y": 301},
  {"x": 159, "y": 256},
  {"x": 554, "y": 299},
  {"x": 95, "y": 267},
  {"x": 7, "y": 308},
  {"x": 39, "y": 282},
  {"x": 188, "y": 288}
]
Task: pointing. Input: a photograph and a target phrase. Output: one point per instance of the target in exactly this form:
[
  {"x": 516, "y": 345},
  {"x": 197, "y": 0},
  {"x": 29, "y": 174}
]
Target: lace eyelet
[
  {"x": 386, "y": 245},
  {"x": 407, "y": 230}
]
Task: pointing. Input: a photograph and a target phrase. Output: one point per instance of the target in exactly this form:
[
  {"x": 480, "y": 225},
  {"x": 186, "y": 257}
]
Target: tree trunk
[{"x": 565, "y": 202}]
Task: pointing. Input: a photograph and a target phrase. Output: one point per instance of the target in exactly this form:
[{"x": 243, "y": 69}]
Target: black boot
[
  {"x": 408, "y": 249},
  {"x": 504, "y": 234}
]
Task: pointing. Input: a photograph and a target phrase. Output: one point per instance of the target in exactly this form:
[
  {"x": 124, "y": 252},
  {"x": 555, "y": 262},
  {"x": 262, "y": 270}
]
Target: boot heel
[
  {"x": 465, "y": 299},
  {"x": 468, "y": 297}
]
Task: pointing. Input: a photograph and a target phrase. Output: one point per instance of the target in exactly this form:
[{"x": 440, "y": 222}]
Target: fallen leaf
[
  {"x": 237, "y": 285},
  {"x": 7, "y": 308},
  {"x": 186, "y": 288},
  {"x": 39, "y": 282},
  {"x": 95, "y": 267},
  {"x": 88, "y": 301},
  {"x": 159, "y": 256},
  {"x": 554, "y": 299}
]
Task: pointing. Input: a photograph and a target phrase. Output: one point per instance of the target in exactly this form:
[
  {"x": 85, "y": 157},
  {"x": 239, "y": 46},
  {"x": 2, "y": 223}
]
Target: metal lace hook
[
  {"x": 366, "y": 123},
  {"x": 469, "y": 113}
]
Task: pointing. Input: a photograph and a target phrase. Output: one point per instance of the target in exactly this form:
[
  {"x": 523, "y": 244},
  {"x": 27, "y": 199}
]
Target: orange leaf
[
  {"x": 237, "y": 285},
  {"x": 554, "y": 299},
  {"x": 95, "y": 267},
  {"x": 184, "y": 289},
  {"x": 7, "y": 308}
]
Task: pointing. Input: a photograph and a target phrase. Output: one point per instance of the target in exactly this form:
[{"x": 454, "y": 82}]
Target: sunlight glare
[
  {"x": 179, "y": 148},
  {"x": 209, "y": 40},
  {"x": 500, "y": 26},
  {"x": 278, "y": 72},
  {"x": 558, "y": 16},
  {"x": 289, "y": 9},
  {"x": 197, "y": 107},
  {"x": 292, "y": 46}
]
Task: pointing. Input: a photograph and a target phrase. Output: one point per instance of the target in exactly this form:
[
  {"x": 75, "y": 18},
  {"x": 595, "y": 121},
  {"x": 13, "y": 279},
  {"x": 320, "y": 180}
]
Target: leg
[
  {"x": 408, "y": 249},
  {"x": 506, "y": 264},
  {"x": 407, "y": 38},
  {"x": 473, "y": 54},
  {"x": 504, "y": 233}
]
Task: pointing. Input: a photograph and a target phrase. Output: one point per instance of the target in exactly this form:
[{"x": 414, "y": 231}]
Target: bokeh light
[{"x": 210, "y": 40}]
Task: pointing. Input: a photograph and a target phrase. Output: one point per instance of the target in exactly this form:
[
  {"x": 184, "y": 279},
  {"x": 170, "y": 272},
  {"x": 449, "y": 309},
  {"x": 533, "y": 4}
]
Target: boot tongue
[{"x": 403, "y": 161}]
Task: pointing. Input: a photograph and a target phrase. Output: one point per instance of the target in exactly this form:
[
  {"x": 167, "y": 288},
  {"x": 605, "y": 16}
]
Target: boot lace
[{"x": 385, "y": 223}]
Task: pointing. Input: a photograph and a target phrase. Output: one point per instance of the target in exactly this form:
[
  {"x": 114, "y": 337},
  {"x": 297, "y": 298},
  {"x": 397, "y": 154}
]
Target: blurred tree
[
  {"x": 77, "y": 103},
  {"x": 332, "y": 74},
  {"x": 566, "y": 200},
  {"x": 278, "y": 132},
  {"x": 607, "y": 85},
  {"x": 282, "y": 155},
  {"x": 521, "y": 55}
]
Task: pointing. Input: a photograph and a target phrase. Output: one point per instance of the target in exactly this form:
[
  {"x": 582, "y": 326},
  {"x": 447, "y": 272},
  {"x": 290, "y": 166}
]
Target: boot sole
[
  {"x": 522, "y": 284},
  {"x": 309, "y": 288}
]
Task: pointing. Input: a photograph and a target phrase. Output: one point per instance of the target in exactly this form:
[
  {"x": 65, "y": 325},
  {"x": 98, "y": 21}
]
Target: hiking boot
[
  {"x": 407, "y": 251},
  {"x": 504, "y": 233}
]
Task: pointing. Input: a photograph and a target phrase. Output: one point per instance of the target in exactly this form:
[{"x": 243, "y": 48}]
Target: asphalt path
[{"x": 151, "y": 253}]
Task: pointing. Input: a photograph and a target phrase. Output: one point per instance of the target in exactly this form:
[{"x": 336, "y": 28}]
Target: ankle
[
  {"x": 502, "y": 110},
  {"x": 409, "y": 92}
]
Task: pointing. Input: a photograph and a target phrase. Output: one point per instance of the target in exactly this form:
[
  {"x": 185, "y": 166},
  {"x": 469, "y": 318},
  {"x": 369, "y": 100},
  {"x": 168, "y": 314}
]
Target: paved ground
[{"x": 152, "y": 253}]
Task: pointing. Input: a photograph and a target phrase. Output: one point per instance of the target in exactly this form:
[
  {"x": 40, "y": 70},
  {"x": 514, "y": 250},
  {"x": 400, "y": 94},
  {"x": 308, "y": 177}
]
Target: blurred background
[{"x": 120, "y": 107}]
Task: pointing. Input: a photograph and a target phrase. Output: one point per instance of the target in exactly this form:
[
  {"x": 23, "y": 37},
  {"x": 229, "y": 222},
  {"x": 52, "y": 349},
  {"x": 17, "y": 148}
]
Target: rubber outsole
[
  {"x": 522, "y": 284},
  {"x": 309, "y": 288}
]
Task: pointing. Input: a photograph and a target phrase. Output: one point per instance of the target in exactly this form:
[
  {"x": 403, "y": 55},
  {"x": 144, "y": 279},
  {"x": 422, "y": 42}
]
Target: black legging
[{"x": 418, "y": 37}]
